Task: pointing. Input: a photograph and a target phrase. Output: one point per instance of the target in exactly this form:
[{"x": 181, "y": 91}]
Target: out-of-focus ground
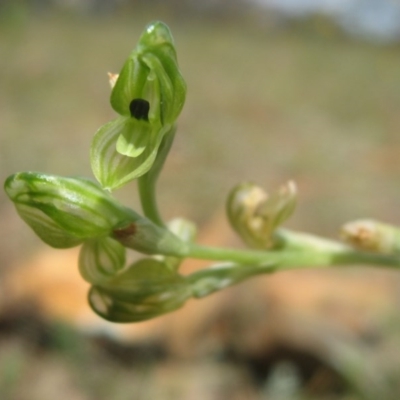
[{"x": 266, "y": 102}]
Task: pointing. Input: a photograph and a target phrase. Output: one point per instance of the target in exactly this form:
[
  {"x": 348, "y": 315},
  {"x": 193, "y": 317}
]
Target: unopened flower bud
[
  {"x": 64, "y": 212},
  {"x": 145, "y": 290},
  {"x": 370, "y": 235},
  {"x": 255, "y": 215}
]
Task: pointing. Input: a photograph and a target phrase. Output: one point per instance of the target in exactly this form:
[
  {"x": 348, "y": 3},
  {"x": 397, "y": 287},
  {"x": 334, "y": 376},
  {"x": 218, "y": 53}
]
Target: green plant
[{"x": 148, "y": 96}]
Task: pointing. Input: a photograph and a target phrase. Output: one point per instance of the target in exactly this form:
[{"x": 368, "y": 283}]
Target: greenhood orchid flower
[
  {"x": 148, "y": 95},
  {"x": 65, "y": 212},
  {"x": 144, "y": 290},
  {"x": 255, "y": 215}
]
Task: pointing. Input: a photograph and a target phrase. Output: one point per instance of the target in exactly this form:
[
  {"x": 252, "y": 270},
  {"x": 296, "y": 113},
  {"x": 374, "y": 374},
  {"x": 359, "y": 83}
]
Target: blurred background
[{"x": 277, "y": 89}]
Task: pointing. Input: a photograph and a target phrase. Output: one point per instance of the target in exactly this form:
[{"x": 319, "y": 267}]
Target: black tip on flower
[{"x": 139, "y": 109}]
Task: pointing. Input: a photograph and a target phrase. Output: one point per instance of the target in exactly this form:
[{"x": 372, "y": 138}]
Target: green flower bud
[
  {"x": 64, "y": 212},
  {"x": 370, "y": 235},
  {"x": 255, "y": 216},
  {"x": 149, "y": 94},
  {"x": 144, "y": 290}
]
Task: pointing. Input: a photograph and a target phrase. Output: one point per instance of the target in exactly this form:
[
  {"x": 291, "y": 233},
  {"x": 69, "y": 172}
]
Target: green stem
[
  {"x": 147, "y": 182},
  {"x": 337, "y": 254},
  {"x": 149, "y": 201}
]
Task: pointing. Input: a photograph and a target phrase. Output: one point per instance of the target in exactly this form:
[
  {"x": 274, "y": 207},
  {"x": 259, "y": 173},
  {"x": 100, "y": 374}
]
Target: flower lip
[{"x": 139, "y": 109}]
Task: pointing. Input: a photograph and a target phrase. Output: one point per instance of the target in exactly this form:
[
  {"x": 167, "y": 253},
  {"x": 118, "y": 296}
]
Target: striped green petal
[
  {"x": 113, "y": 169},
  {"x": 151, "y": 73}
]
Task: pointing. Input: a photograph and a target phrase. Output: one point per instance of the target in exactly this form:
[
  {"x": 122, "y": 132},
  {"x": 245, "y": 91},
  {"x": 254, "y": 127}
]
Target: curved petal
[
  {"x": 113, "y": 169},
  {"x": 172, "y": 86},
  {"x": 129, "y": 85}
]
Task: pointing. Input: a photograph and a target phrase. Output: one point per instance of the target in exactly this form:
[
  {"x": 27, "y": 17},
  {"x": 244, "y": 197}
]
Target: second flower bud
[{"x": 255, "y": 215}]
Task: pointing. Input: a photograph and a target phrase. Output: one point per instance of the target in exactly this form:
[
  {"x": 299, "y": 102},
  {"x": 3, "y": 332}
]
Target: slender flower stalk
[
  {"x": 334, "y": 254},
  {"x": 147, "y": 182}
]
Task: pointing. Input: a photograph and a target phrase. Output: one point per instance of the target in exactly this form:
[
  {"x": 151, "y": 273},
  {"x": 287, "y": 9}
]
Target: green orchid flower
[
  {"x": 62, "y": 211},
  {"x": 255, "y": 215},
  {"x": 148, "y": 95},
  {"x": 65, "y": 212},
  {"x": 144, "y": 290}
]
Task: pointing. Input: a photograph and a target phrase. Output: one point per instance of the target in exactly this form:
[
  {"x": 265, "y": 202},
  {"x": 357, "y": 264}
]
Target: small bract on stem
[{"x": 148, "y": 95}]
